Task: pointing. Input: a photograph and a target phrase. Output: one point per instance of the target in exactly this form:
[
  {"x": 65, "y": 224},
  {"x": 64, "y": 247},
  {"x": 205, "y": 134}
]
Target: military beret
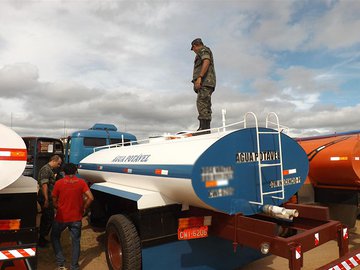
[{"x": 196, "y": 41}]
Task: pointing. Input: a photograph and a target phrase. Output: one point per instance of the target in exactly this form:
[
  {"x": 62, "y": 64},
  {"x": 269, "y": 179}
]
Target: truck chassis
[
  {"x": 156, "y": 226},
  {"x": 18, "y": 246}
]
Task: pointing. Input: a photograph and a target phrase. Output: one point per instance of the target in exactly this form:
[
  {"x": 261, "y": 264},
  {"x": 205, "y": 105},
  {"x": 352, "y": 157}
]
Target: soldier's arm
[
  {"x": 55, "y": 201},
  {"x": 44, "y": 182},
  {"x": 204, "y": 68},
  {"x": 44, "y": 188}
]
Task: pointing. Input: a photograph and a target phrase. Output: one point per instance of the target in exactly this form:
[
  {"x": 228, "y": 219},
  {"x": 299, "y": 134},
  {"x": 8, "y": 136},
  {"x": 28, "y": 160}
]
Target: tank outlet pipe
[
  {"x": 280, "y": 212},
  {"x": 292, "y": 212}
]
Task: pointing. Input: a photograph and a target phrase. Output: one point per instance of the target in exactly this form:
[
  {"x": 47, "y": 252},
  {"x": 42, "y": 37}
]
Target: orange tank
[{"x": 334, "y": 161}]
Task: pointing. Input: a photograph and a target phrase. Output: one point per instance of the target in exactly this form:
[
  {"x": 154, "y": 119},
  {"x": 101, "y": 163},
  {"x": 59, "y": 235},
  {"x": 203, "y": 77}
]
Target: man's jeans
[{"x": 75, "y": 233}]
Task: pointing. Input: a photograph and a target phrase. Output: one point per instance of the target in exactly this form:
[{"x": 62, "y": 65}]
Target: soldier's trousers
[
  {"x": 203, "y": 102},
  {"x": 46, "y": 220}
]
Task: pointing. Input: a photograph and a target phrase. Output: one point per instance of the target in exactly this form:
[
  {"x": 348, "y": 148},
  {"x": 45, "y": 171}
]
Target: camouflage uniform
[
  {"x": 46, "y": 176},
  {"x": 208, "y": 83}
]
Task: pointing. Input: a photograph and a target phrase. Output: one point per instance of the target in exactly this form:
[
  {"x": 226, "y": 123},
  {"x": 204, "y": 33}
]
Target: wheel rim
[{"x": 114, "y": 250}]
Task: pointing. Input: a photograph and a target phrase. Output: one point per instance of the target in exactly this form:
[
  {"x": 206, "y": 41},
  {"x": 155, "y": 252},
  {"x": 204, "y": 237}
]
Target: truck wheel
[{"x": 122, "y": 247}]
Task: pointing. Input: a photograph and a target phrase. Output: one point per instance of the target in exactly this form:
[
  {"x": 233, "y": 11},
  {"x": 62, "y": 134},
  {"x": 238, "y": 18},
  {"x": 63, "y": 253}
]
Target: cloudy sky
[{"x": 65, "y": 65}]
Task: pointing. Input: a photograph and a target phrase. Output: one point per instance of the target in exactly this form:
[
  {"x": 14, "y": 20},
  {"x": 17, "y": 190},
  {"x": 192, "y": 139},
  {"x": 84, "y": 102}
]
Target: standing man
[
  {"x": 46, "y": 182},
  {"x": 204, "y": 80},
  {"x": 71, "y": 197}
]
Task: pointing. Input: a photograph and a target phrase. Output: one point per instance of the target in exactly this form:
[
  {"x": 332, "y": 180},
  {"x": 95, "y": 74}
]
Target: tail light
[{"x": 10, "y": 224}]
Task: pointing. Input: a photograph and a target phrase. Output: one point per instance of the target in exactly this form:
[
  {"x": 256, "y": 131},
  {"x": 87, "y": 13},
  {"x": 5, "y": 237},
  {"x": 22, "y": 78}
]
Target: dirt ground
[
  {"x": 92, "y": 250},
  {"x": 93, "y": 255}
]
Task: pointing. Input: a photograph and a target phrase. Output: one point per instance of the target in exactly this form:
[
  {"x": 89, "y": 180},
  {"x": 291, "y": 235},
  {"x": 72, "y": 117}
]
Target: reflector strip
[
  {"x": 355, "y": 260},
  {"x": 298, "y": 252},
  {"x": 350, "y": 263},
  {"x": 127, "y": 170},
  {"x": 216, "y": 183},
  {"x": 13, "y": 154},
  {"x": 287, "y": 172},
  {"x": 17, "y": 253},
  {"x": 345, "y": 233},
  {"x": 357, "y": 158},
  {"x": 161, "y": 172},
  {"x": 317, "y": 239},
  {"x": 346, "y": 266},
  {"x": 338, "y": 158}
]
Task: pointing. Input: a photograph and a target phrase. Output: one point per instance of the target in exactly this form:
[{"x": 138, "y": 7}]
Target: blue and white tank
[{"x": 218, "y": 171}]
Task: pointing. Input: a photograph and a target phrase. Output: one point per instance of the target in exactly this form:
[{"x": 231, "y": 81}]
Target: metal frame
[
  {"x": 311, "y": 229},
  {"x": 20, "y": 205},
  {"x": 16, "y": 242}
]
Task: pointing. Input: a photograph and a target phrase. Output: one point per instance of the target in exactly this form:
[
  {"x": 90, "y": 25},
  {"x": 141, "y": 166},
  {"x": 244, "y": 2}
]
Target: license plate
[{"x": 193, "y": 233}]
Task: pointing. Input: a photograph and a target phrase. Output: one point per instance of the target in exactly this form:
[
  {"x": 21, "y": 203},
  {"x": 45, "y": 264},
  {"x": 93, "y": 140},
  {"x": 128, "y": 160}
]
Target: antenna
[
  {"x": 64, "y": 128},
  {"x": 223, "y": 112}
]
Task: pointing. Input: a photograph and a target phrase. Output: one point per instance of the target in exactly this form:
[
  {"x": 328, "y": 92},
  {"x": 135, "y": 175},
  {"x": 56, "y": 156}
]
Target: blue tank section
[{"x": 226, "y": 175}]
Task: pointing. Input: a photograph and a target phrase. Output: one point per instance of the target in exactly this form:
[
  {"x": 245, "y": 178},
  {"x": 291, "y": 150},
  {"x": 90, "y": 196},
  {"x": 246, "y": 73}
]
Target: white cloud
[
  {"x": 18, "y": 79},
  {"x": 338, "y": 28},
  {"x": 75, "y": 63}
]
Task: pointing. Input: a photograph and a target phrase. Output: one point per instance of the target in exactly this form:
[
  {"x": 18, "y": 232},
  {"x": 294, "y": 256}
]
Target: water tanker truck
[
  {"x": 335, "y": 173},
  {"x": 225, "y": 189},
  {"x": 18, "y": 234}
]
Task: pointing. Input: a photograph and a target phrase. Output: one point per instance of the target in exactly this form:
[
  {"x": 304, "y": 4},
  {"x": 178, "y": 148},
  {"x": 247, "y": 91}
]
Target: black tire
[{"x": 122, "y": 246}]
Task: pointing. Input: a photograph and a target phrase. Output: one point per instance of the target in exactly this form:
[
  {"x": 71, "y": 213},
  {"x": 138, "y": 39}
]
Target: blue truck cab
[{"x": 82, "y": 143}]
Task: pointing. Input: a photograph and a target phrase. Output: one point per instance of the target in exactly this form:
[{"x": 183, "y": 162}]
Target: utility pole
[{"x": 64, "y": 128}]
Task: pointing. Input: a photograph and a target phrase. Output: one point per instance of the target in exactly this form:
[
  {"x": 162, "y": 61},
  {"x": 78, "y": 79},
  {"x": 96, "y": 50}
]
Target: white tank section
[
  {"x": 158, "y": 156},
  {"x": 13, "y": 156}
]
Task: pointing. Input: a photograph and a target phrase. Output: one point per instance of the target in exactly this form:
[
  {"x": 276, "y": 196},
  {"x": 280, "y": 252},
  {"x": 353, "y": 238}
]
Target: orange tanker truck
[{"x": 334, "y": 172}]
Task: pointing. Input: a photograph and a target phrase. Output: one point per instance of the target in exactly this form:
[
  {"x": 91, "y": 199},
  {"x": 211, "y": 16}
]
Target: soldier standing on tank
[{"x": 204, "y": 80}]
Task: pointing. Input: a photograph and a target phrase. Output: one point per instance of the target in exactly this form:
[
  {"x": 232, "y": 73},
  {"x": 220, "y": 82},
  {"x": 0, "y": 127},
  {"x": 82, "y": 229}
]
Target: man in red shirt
[{"x": 71, "y": 197}]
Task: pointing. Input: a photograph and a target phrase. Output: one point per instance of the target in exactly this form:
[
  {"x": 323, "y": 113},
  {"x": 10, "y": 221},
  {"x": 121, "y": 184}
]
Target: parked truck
[
  {"x": 191, "y": 202},
  {"x": 18, "y": 233},
  {"x": 39, "y": 151},
  {"x": 72, "y": 148},
  {"x": 334, "y": 175},
  {"x": 82, "y": 143}
]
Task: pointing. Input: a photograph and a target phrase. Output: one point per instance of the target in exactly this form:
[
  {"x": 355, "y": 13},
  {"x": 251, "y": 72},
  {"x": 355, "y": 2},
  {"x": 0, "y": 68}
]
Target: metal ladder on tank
[{"x": 280, "y": 192}]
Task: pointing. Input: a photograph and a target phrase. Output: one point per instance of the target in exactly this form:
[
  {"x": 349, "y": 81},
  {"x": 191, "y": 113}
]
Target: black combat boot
[
  {"x": 206, "y": 126},
  {"x": 201, "y": 127}
]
